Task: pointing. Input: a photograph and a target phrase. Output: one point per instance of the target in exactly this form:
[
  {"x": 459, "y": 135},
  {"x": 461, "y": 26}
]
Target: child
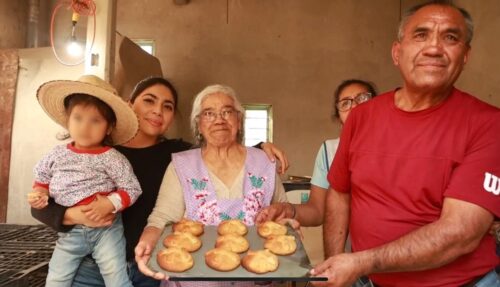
[{"x": 74, "y": 174}]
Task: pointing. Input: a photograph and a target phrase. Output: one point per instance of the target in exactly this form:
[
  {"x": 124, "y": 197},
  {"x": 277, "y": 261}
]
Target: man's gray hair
[
  {"x": 468, "y": 19},
  {"x": 196, "y": 111}
]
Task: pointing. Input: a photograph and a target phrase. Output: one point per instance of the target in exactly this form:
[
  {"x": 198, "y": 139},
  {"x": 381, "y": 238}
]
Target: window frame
[
  {"x": 269, "y": 120},
  {"x": 144, "y": 42}
]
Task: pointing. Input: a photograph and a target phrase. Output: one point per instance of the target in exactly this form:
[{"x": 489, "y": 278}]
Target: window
[
  {"x": 258, "y": 124},
  {"x": 146, "y": 45}
]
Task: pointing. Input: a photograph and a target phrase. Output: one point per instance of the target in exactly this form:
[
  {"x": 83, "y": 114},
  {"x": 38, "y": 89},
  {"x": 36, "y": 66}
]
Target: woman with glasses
[
  {"x": 220, "y": 180},
  {"x": 347, "y": 96}
]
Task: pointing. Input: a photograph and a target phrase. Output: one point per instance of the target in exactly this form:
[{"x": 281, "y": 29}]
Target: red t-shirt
[{"x": 399, "y": 166}]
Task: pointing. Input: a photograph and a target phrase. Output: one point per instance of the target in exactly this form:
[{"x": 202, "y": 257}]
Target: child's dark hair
[{"x": 85, "y": 100}]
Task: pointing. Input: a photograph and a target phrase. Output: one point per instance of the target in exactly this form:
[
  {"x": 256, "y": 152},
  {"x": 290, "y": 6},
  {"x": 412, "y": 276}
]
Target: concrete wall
[
  {"x": 288, "y": 53},
  {"x": 481, "y": 75},
  {"x": 13, "y": 26},
  {"x": 292, "y": 54},
  {"x": 21, "y": 29},
  {"x": 34, "y": 133}
]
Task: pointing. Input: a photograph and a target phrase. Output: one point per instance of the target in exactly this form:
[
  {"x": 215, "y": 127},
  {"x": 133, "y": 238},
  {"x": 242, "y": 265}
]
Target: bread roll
[
  {"x": 281, "y": 244},
  {"x": 174, "y": 259},
  {"x": 269, "y": 228},
  {"x": 222, "y": 260},
  {"x": 261, "y": 261},
  {"x": 232, "y": 242},
  {"x": 232, "y": 226},
  {"x": 184, "y": 240},
  {"x": 186, "y": 225}
]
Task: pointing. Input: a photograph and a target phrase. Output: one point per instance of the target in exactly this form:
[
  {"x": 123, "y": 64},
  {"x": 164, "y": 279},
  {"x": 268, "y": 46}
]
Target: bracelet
[{"x": 294, "y": 212}]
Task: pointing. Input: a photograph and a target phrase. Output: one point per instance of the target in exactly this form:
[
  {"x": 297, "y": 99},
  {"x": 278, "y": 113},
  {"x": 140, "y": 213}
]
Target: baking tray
[{"x": 293, "y": 267}]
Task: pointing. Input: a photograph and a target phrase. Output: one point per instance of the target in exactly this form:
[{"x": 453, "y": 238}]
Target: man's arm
[
  {"x": 312, "y": 213},
  {"x": 336, "y": 223},
  {"x": 307, "y": 214},
  {"x": 458, "y": 231}
]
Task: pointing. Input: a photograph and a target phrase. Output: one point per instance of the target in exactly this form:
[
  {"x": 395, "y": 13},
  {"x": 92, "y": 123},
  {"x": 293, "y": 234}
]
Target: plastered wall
[
  {"x": 15, "y": 19},
  {"x": 292, "y": 54},
  {"x": 289, "y": 53},
  {"x": 34, "y": 133},
  {"x": 13, "y": 24}
]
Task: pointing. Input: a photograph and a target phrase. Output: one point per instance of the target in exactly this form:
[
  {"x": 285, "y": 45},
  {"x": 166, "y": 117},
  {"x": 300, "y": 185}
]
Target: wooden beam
[{"x": 9, "y": 64}]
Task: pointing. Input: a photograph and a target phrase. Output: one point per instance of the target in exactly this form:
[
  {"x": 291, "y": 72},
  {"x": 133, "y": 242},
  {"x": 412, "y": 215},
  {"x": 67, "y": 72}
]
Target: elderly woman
[{"x": 221, "y": 180}]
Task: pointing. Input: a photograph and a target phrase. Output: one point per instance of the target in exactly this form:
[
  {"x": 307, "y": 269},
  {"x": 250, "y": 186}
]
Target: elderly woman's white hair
[{"x": 210, "y": 90}]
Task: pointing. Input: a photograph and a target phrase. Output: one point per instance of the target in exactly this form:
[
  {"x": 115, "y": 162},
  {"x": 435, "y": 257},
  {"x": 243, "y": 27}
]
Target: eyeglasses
[
  {"x": 346, "y": 104},
  {"x": 210, "y": 116}
]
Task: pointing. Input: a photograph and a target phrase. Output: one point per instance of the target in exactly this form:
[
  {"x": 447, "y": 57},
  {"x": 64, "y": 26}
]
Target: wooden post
[{"x": 9, "y": 63}]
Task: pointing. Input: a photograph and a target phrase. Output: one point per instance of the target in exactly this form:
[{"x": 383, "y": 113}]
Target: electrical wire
[{"x": 81, "y": 7}]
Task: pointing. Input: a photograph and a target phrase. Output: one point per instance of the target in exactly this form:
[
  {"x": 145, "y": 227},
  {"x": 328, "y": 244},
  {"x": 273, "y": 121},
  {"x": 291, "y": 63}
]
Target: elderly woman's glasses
[
  {"x": 210, "y": 116},
  {"x": 346, "y": 104}
]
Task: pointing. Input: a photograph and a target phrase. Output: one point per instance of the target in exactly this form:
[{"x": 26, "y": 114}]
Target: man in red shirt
[{"x": 417, "y": 173}]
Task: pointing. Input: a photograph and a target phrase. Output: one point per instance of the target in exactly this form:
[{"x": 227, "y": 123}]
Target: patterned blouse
[{"x": 72, "y": 175}]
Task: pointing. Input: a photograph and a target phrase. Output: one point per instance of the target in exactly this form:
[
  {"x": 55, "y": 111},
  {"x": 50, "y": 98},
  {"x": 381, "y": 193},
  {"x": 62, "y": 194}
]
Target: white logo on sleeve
[{"x": 491, "y": 183}]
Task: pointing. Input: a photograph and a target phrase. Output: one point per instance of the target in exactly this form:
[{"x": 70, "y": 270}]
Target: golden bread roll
[
  {"x": 186, "y": 225},
  {"x": 281, "y": 244},
  {"x": 222, "y": 260},
  {"x": 269, "y": 228},
  {"x": 232, "y": 226},
  {"x": 261, "y": 261},
  {"x": 232, "y": 242},
  {"x": 174, "y": 259},
  {"x": 184, "y": 240}
]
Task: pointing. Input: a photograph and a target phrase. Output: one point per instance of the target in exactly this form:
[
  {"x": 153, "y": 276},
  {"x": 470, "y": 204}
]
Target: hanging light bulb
[{"x": 73, "y": 48}]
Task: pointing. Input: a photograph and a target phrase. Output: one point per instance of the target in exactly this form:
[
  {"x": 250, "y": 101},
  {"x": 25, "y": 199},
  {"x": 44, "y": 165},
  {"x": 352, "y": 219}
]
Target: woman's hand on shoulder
[{"x": 275, "y": 153}]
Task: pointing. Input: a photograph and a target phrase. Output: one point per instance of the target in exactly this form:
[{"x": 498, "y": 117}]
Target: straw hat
[{"x": 51, "y": 97}]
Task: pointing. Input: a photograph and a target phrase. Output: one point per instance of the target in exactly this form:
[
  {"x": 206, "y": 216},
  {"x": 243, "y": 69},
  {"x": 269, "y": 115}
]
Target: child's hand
[
  {"x": 38, "y": 198},
  {"x": 99, "y": 208}
]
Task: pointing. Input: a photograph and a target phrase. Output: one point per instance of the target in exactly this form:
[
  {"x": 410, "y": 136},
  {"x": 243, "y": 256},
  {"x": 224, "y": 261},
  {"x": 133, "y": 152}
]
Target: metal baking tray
[{"x": 294, "y": 267}]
